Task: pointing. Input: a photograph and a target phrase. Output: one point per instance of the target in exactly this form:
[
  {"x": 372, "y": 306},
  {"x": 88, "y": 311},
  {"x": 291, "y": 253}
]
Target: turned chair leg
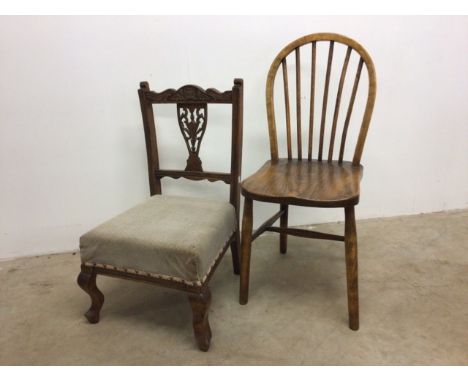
[
  {"x": 245, "y": 251},
  {"x": 284, "y": 224},
  {"x": 200, "y": 304},
  {"x": 352, "y": 267},
  {"x": 235, "y": 247},
  {"x": 87, "y": 282}
]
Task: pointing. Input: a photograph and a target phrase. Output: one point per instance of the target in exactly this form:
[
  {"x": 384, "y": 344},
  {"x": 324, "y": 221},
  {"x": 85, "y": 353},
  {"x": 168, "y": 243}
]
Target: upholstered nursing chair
[
  {"x": 318, "y": 177},
  {"x": 176, "y": 242}
]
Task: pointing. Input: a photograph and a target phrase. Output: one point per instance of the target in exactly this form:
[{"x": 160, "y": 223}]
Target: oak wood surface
[
  {"x": 351, "y": 256},
  {"x": 321, "y": 182},
  {"x": 305, "y": 183},
  {"x": 314, "y": 39}
]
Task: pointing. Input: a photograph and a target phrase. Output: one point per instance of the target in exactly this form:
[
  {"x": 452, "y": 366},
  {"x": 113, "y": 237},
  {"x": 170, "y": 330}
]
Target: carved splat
[{"x": 192, "y": 122}]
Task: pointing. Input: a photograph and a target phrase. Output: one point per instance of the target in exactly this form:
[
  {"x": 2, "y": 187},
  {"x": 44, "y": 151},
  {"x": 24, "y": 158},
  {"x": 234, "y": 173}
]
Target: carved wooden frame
[{"x": 194, "y": 98}]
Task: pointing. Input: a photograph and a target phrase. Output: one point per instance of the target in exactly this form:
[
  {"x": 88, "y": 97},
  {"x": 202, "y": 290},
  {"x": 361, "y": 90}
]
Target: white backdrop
[{"x": 72, "y": 148}]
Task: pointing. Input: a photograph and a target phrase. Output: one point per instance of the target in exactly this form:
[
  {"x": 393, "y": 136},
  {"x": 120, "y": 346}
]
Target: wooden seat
[
  {"x": 320, "y": 178},
  {"x": 305, "y": 183},
  {"x": 176, "y": 242}
]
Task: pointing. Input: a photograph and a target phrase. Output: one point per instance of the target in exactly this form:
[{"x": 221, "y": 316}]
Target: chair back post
[
  {"x": 236, "y": 142},
  {"x": 150, "y": 139}
]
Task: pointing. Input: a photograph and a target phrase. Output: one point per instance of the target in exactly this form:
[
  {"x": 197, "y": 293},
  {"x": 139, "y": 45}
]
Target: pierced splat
[{"x": 192, "y": 122}]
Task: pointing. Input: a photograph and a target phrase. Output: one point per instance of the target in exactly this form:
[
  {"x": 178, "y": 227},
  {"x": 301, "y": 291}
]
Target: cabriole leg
[
  {"x": 200, "y": 304},
  {"x": 87, "y": 282}
]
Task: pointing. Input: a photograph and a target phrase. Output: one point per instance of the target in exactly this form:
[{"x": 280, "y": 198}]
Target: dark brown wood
[
  {"x": 235, "y": 252},
  {"x": 267, "y": 224},
  {"x": 284, "y": 224},
  {"x": 312, "y": 98},
  {"x": 150, "y": 139},
  {"x": 305, "y": 233},
  {"x": 325, "y": 99},
  {"x": 286, "y": 105},
  {"x": 236, "y": 164},
  {"x": 298, "y": 103},
  {"x": 195, "y": 175},
  {"x": 192, "y": 120},
  {"x": 245, "y": 252},
  {"x": 192, "y": 113},
  {"x": 305, "y": 183},
  {"x": 352, "y": 267},
  {"x": 312, "y": 183},
  {"x": 200, "y": 304},
  {"x": 87, "y": 282},
  {"x": 189, "y": 93}
]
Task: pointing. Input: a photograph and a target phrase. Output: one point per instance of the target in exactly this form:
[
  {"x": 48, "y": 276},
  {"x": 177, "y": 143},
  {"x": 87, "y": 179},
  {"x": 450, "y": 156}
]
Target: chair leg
[
  {"x": 87, "y": 282},
  {"x": 200, "y": 304},
  {"x": 352, "y": 267},
  {"x": 284, "y": 224},
  {"x": 245, "y": 251},
  {"x": 235, "y": 247}
]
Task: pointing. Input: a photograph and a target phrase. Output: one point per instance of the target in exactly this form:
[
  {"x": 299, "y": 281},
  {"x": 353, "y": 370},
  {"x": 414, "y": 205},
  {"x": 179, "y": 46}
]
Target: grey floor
[{"x": 413, "y": 289}]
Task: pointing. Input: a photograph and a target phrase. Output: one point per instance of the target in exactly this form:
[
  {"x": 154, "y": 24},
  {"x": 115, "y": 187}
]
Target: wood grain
[
  {"x": 284, "y": 66},
  {"x": 315, "y": 39},
  {"x": 313, "y": 183},
  {"x": 305, "y": 183},
  {"x": 352, "y": 267}
]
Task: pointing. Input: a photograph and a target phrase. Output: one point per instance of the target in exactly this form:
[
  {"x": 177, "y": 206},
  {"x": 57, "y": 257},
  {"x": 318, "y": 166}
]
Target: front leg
[
  {"x": 87, "y": 282},
  {"x": 351, "y": 252},
  {"x": 200, "y": 303}
]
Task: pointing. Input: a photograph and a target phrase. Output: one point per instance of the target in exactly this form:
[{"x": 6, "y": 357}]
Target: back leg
[
  {"x": 284, "y": 224},
  {"x": 87, "y": 282},
  {"x": 235, "y": 246}
]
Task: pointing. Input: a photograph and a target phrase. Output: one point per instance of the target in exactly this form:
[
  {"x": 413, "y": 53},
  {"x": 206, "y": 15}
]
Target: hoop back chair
[
  {"x": 175, "y": 242},
  {"x": 302, "y": 180}
]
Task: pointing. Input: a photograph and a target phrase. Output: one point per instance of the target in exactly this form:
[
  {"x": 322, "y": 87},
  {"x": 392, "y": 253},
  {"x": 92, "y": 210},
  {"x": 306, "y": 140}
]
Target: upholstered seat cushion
[{"x": 170, "y": 237}]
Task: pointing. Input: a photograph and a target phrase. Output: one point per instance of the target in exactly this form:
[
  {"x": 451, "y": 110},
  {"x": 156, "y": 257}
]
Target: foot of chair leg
[
  {"x": 235, "y": 247},
  {"x": 284, "y": 224},
  {"x": 352, "y": 268},
  {"x": 87, "y": 282},
  {"x": 245, "y": 251},
  {"x": 200, "y": 304}
]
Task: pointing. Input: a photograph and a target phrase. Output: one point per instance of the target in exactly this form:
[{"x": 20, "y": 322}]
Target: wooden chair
[
  {"x": 303, "y": 181},
  {"x": 176, "y": 242}
]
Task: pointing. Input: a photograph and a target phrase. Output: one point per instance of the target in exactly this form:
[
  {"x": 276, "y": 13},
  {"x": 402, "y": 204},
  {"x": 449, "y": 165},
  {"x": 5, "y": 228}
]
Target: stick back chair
[
  {"x": 302, "y": 180},
  {"x": 175, "y": 242}
]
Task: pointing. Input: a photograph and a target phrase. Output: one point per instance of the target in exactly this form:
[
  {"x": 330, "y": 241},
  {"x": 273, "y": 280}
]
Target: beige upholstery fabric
[{"x": 167, "y": 236}]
